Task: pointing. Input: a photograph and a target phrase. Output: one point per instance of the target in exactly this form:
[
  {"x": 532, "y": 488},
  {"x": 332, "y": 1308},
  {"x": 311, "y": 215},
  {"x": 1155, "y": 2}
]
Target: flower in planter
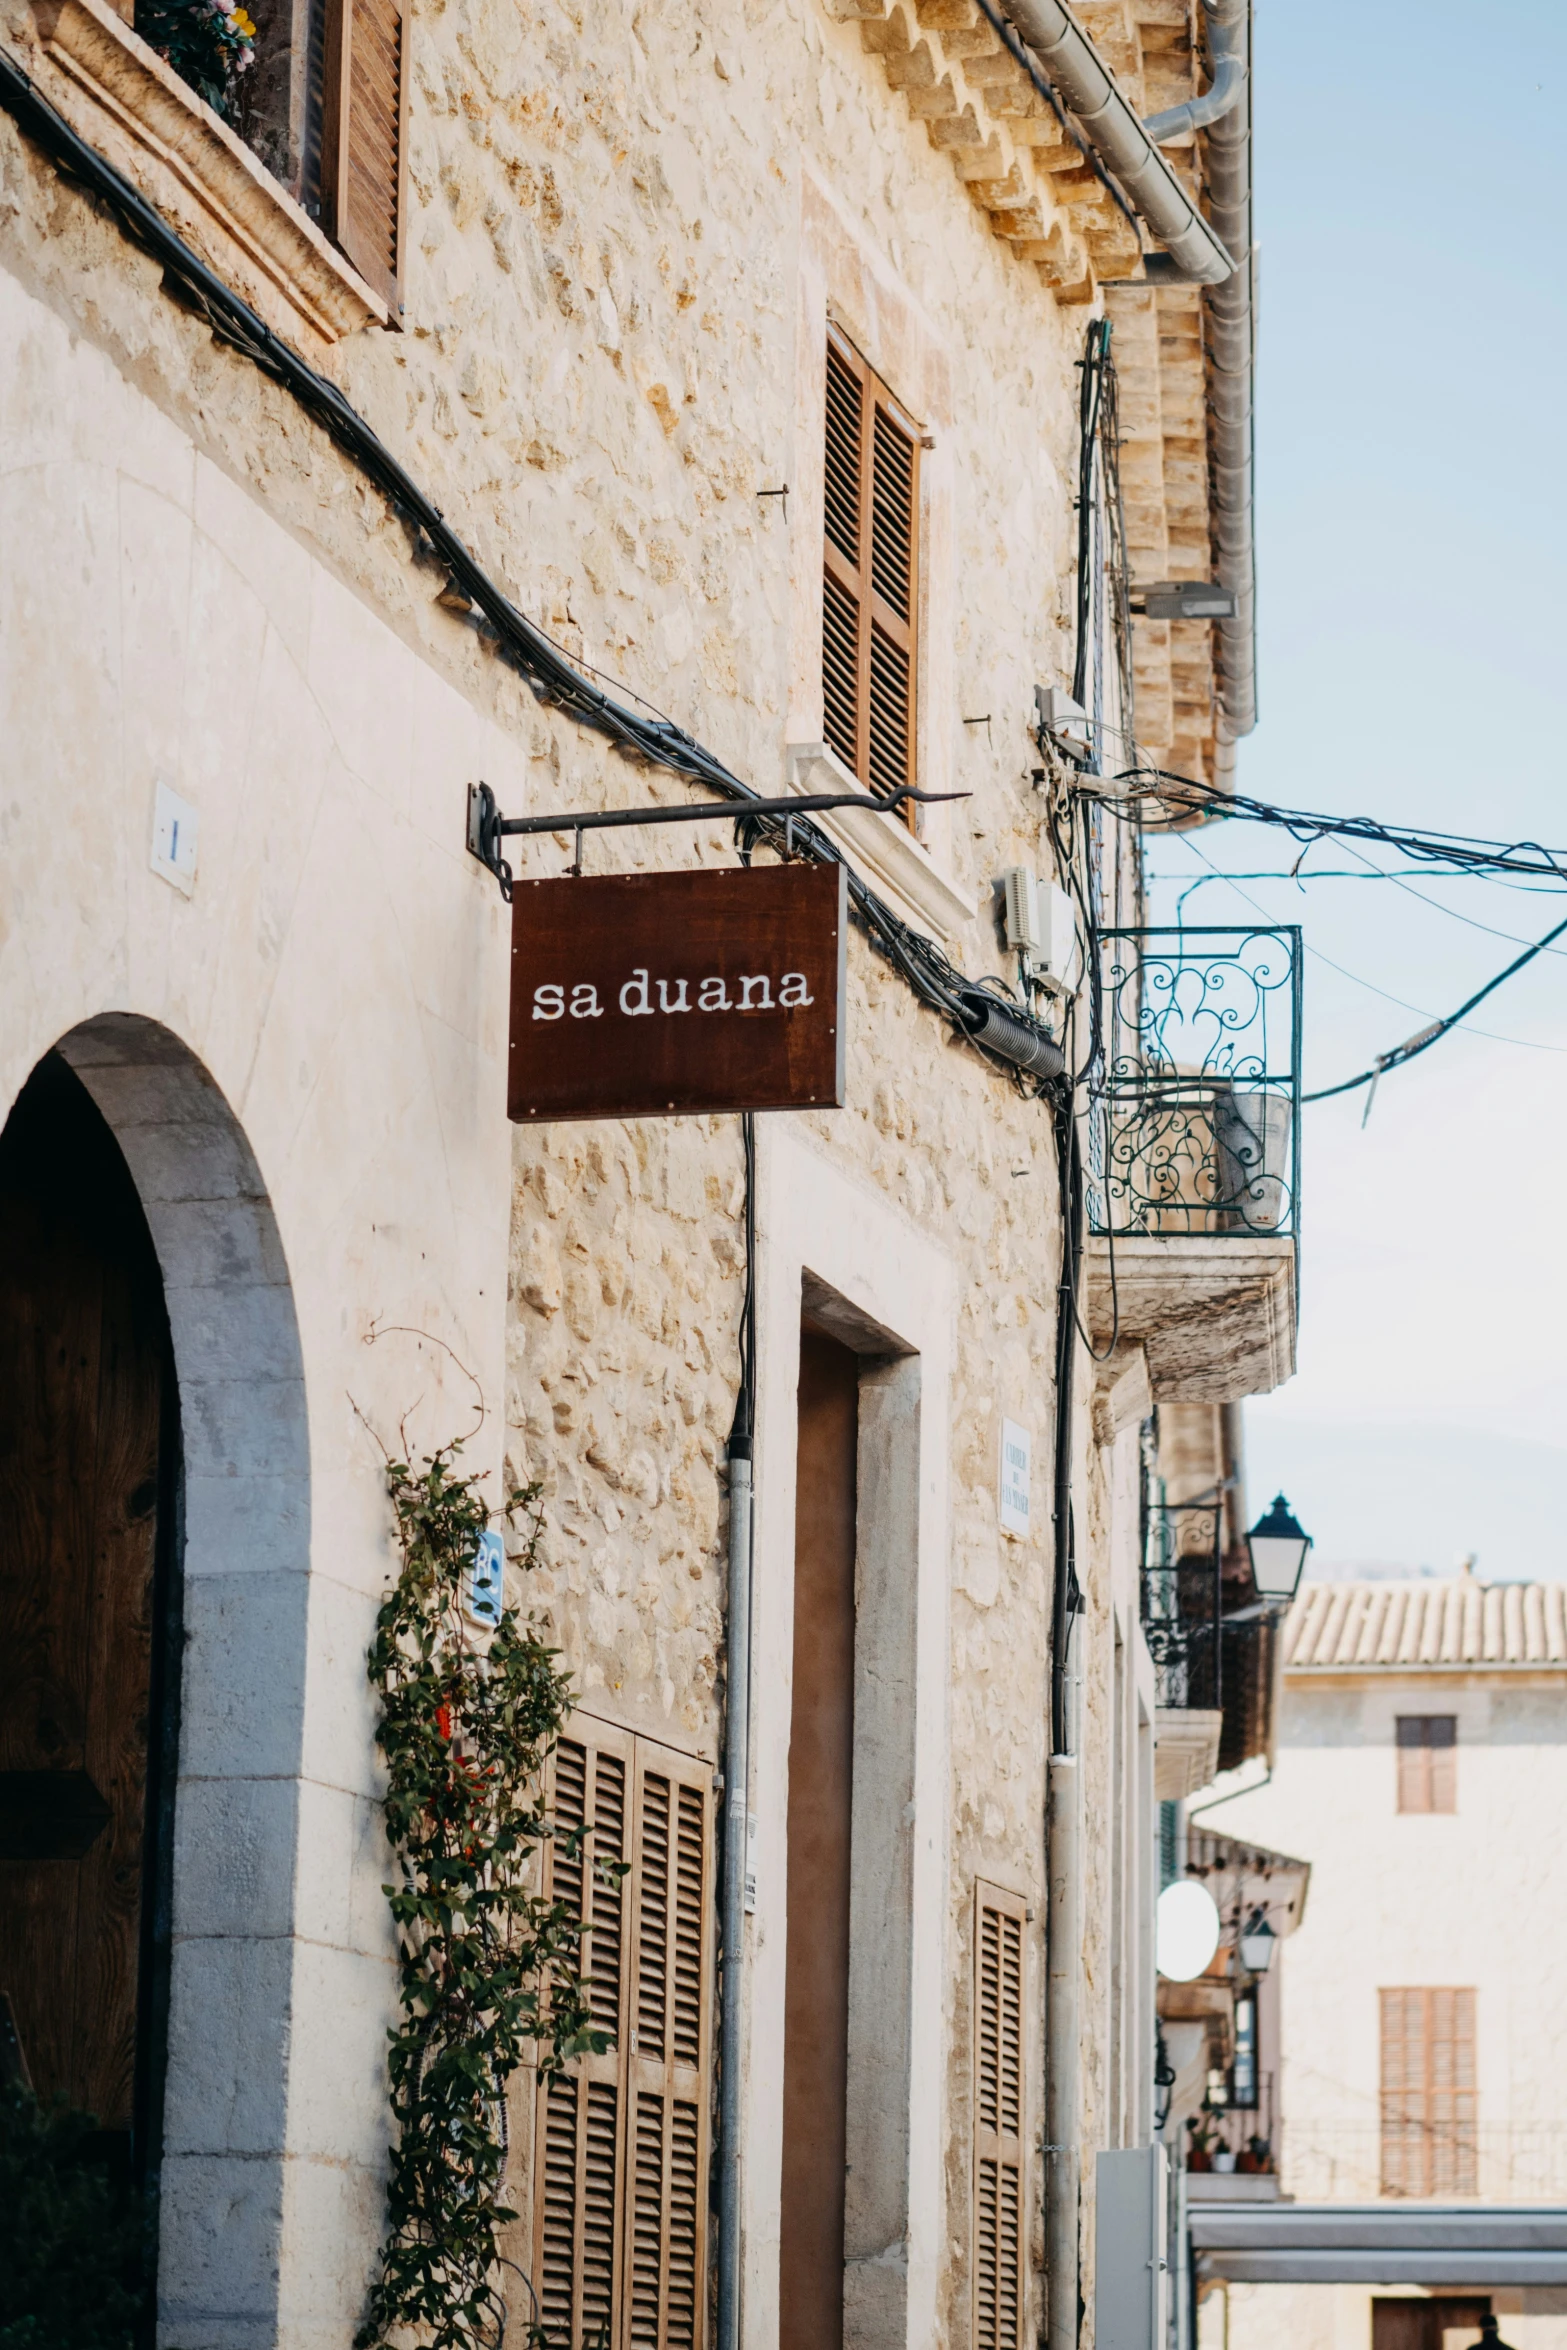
[{"x": 209, "y": 43}]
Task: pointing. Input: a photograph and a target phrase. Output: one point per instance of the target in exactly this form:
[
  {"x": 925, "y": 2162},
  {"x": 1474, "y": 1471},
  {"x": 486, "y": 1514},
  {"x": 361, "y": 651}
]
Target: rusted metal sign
[{"x": 638, "y": 995}]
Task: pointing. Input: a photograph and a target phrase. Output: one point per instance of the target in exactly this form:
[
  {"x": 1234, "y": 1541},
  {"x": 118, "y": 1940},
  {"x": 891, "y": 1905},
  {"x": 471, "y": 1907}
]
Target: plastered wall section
[
  {"x": 1340, "y": 2317},
  {"x": 1401, "y": 1899},
  {"x": 332, "y": 989}
]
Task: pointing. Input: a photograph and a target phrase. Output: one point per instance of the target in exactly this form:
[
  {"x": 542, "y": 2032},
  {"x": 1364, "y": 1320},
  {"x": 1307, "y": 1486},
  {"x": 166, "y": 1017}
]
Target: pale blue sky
[{"x": 1412, "y": 531}]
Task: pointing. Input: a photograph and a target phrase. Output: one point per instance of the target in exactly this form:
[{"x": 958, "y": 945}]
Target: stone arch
[{"x": 245, "y": 1559}]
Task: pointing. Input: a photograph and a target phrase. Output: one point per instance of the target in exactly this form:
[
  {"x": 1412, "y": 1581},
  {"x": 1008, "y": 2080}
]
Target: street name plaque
[{"x": 644, "y": 995}]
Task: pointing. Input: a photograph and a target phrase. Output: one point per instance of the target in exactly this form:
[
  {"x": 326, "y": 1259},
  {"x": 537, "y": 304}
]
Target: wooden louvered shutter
[
  {"x": 620, "y": 2165},
  {"x": 1000, "y": 2119},
  {"x": 1428, "y": 2092},
  {"x": 364, "y": 138},
  {"x": 579, "y": 2162},
  {"x": 668, "y": 2053},
  {"x": 870, "y": 586},
  {"x": 1427, "y": 1762}
]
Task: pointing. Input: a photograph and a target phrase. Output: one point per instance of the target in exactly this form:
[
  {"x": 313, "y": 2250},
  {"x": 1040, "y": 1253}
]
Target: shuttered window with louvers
[
  {"x": 870, "y": 588},
  {"x": 1429, "y": 2120},
  {"x": 364, "y": 137},
  {"x": 620, "y": 2198},
  {"x": 667, "y": 2073},
  {"x": 579, "y": 2182},
  {"x": 1000, "y": 2117}
]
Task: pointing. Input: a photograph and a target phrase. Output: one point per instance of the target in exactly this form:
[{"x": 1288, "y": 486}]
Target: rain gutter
[
  {"x": 1232, "y": 353},
  {"x": 1120, "y": 142}
]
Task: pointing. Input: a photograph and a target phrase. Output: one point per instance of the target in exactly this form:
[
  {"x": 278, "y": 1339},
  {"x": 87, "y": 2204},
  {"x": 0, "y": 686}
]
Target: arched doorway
[{"x": 89, "y": 1618}]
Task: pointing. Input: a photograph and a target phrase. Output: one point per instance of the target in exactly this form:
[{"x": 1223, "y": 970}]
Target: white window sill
[
  {"x": 881, "y": 848},
  {"x": 119, "y": 93}
]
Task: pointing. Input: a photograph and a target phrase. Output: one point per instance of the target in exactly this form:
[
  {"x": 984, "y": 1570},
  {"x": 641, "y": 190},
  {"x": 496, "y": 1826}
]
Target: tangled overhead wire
[
  {"x": 1127, "y": 795},
  {"x": 1130, "y": 796}
]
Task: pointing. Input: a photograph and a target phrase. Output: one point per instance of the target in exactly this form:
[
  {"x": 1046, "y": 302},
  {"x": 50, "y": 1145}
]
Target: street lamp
[
  {"x": 1278, "y": 1547},
  {"x": 1255, "y": 1943}
]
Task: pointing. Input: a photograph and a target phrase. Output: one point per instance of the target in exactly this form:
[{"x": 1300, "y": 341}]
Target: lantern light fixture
[
  {"x": 1277, "y": 1545},
  {"x": 1256, "y": 1943}
]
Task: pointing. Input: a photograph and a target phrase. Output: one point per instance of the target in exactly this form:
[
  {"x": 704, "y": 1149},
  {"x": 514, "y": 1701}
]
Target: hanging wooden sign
[{"x": 644, "y": 995}]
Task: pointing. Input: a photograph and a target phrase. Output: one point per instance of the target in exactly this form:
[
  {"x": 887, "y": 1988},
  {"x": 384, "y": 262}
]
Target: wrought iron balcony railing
[
  {"x": 1195, "y": 1127},
  {"x": 1182, "y": 1601}
]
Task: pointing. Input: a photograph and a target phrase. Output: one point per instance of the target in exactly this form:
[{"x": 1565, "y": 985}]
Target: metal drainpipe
[
  {"x": 1121, "y": 143},
  {"x": 737, "y": 1738},
  {"x": 1064, "y": 1929},
  {"x": 1224, "y": 91},
  {"x": 1232, "y": 318},
  {"x": 737, "y": 1782},
  {"x": 1065, "y": 1946}
]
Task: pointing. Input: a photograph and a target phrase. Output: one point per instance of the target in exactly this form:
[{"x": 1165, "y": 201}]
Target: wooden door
[
  {"x": 821, "y": 1787},
  {"x": 84, "y": 1461},
  {"x": 1411, "y": 2323}
]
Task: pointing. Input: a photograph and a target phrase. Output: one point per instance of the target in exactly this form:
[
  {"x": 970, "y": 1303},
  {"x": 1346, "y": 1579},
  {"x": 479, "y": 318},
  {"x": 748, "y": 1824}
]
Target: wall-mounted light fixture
[
  {"x": 1278, "y": 1546},
  {"x": 1256, "y": 1943},
  {"x": 1183, "y": 599}
]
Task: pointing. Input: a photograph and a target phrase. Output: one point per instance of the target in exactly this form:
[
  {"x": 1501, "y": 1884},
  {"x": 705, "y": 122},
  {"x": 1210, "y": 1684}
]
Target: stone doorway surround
[{"x": 839, "y": 1253}]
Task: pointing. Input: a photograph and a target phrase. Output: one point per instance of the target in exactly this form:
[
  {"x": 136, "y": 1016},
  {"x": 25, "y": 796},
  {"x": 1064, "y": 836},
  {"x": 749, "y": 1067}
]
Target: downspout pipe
[
  {"x": 737, "y": 1738},
  {"x": 737, "y": 1786},
  {"x": 1062, "y": 2088},
  {"x": 1063, "y": 1801},
  {"x": 1232, "y": 331},
  {"x": 1123, "y": 146},
  {"x": 1224, "y": 19}
]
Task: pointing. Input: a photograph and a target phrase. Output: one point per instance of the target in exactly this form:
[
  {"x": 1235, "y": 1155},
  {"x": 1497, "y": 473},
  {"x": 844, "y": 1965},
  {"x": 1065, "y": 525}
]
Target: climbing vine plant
[{"x": 488, "y": 1969}]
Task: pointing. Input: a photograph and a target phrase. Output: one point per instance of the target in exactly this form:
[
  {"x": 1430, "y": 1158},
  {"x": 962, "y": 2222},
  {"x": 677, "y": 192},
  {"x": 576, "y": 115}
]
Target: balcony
[
  {"x": 1182, "y": 1618},
  {"x": 1193, "y": 1158}
]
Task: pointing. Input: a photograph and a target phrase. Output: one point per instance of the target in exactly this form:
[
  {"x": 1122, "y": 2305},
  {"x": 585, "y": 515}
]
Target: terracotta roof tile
[{"x": 1366, "y": 1626}]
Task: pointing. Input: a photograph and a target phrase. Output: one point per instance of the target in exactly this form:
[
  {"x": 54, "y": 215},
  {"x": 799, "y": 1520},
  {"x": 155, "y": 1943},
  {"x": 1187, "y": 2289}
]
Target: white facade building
[{"x": 1421, "y": 1767}]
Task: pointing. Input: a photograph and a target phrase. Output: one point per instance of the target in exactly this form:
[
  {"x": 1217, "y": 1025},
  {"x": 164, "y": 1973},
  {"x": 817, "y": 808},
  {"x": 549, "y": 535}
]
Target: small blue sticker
[{"x": 487, "y": 1580}]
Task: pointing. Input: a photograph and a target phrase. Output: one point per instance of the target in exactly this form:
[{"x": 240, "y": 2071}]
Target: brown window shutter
[
  {"x": 1444, "y": 1761},
  {"x": 1427, "y": 1762},
  {"x": 579, "y": 2181},
  {"x": 668, "y": 2053},
  {"x": 1000, "y": 2119},
  {"x": 870, "y": 589},
  {"x": 620, "y": 2181},
  {"x": 1429, "y": 2110},
  {"x": 1414, "y": 1764},
  {"x": 364, "y": 138}
]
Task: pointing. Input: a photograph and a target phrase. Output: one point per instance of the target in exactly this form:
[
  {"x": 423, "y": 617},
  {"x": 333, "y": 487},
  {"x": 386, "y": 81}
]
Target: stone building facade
[{"x": 245, "y": 698}]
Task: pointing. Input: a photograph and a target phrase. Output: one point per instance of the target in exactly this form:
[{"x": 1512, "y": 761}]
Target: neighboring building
[
  {"x": 761, "y": 362},
  {"x": 1421, "y": 1764},
  {"x": 1222, "y": 2033}
]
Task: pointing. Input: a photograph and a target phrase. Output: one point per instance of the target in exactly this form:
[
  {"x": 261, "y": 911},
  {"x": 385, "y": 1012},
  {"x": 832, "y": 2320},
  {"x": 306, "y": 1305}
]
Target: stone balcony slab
[{"x": 1214, "y": 1316}]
